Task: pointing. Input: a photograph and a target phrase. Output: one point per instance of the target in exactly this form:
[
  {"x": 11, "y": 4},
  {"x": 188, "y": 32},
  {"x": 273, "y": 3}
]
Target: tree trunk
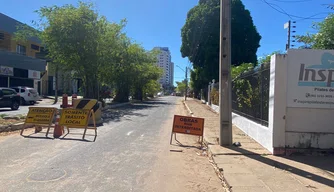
[
  {"x": 56, "y": 84},
  {"x": 122, "y": 94},
  {"x": 91, "y": 88},
  {"x": 139, "y": 94}
]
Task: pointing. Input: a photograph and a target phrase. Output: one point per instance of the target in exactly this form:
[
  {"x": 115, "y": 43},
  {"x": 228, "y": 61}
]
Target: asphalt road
[{"x": 120, "y": 159}]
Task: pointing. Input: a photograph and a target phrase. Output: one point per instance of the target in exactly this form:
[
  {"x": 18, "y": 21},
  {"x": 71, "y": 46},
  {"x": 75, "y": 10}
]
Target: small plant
[
  {"x": 214, "y": 96},
  {"x": 3, "y": 115}
]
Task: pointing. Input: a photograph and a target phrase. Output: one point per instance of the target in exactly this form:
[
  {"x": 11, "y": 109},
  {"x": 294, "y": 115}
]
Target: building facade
[
  {"x": 164, "y": 61},
  {"x": 24, "y": 63},
  {"x": 18, "y": 63}
]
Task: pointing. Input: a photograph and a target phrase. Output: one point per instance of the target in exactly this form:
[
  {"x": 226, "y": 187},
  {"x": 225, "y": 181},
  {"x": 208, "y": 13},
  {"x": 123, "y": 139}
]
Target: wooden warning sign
[
  {"x": 77, "y": 118},
  {"x": 41, "y": 116},
  {"x": 187, "y": 125}
]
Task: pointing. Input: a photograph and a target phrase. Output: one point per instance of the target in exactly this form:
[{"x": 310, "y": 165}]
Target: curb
[
  {"x": 219, "y": 172},
  {"x": 188, "y": 109},
  {"x": 116, "y": 105}
]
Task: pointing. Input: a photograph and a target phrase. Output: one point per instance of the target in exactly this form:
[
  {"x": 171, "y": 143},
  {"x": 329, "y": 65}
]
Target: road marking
[
  {"x": 142, "y": 135},
  {"x": 129, "y": 133}
]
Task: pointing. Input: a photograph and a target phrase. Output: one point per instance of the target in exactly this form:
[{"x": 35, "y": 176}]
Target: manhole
[{"x": 46, "y": 175}]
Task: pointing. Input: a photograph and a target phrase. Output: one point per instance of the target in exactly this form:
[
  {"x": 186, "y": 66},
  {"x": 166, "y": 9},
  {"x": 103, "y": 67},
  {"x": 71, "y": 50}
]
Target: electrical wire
[
  {"x": 293, "y": 1},
  {"x": 282, "y": 11}
]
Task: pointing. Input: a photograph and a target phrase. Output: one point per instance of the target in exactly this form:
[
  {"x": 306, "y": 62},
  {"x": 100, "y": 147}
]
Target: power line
[
  {"x": 282, "y": 11},
  {"x": 292, "y": 1}
]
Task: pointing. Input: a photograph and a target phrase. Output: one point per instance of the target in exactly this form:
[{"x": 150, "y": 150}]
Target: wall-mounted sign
[
  {"x": 310, "y": 78},
  {"x": 34, "y": 74},
  {"x": 4, "y": 70}
]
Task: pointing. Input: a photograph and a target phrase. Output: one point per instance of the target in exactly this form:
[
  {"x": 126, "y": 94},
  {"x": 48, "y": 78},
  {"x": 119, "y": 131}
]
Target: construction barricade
[
  {"x": 40, "y": 116},
  {"x": 92, "y": 104},
  {"x": 78, "y": 118}
]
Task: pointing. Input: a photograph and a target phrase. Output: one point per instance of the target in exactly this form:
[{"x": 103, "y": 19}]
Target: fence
[{"x": 250, "y": 94}]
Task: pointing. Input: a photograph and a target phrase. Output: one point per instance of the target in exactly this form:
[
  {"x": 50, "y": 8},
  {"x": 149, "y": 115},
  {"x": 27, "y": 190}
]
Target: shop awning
[{"x": 15, "y": 60}]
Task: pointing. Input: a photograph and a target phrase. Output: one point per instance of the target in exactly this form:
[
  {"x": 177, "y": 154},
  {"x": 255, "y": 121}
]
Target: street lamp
[{"x": 186, "y": 89}]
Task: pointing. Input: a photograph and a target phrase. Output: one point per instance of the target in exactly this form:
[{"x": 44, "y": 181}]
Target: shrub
[{"x": 214, "y": 96}]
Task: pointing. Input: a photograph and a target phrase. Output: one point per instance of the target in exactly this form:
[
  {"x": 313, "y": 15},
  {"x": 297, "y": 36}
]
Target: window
[
  {"x": 7, "y": 92},
  {"x": 2, "y": 36},
  {"x": 35, "y": 47},
  {"x": 20, "y": 49}
]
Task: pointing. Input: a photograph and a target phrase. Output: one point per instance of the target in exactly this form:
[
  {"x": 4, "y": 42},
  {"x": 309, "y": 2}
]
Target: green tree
[
  {"x": 151, "y": 88},
  {"x": 117, "y": 68},
  {"x": 181, "y": 87},
  {"x": 323, "y": 39},
  {"x": 238, "y": 70},
  {"x": 145, "y": 70},
  {"x": 72, "y": 36},
  {"x": 200, "y": 39}
]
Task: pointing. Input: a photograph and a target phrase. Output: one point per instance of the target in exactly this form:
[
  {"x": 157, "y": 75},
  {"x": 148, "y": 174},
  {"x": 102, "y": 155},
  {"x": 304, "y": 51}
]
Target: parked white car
[{"x": 28, "y": 95}]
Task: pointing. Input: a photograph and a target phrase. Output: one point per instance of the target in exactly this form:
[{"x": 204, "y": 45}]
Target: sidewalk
[{"x": 250, "y": 167}]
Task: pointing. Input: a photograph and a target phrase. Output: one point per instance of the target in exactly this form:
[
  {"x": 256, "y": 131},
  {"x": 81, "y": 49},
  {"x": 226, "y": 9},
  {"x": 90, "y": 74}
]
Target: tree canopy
[
  {"x": 323, "y": 39},
  {"x": 200, "y": 39},
  {"x": 181, "y": 87},
  {"x": 78, "y": 39}
]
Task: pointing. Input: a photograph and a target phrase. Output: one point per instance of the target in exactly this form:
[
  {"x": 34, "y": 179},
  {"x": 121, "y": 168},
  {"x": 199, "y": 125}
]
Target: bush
[{"x": 214, "y": 96}]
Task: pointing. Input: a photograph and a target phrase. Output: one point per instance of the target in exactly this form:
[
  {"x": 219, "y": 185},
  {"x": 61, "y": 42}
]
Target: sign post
[
  {"x": 78, "y": 118},
  {"x": 188, "y": 125},
  {"x": 42, "y": 116}
]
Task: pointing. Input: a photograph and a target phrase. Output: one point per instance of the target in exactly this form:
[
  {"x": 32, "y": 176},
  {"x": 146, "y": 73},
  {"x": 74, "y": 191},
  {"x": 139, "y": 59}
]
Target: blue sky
[{"x": 159, "y": 22}]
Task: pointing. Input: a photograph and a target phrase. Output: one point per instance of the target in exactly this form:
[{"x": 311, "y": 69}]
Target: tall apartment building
[{"x": 165, "y": 62}]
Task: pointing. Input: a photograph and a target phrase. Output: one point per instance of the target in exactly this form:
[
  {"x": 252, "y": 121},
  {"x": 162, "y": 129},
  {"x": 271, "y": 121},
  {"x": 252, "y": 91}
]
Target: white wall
[
  {"x": 292, "y": 124},
  {"x": 277, "y": 99},
  {"x": 258, "y": 132},
  {"x": 308, "y": 125}
]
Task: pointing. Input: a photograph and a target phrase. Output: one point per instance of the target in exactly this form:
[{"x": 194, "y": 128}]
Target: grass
[{"x": 3, "y": 115}]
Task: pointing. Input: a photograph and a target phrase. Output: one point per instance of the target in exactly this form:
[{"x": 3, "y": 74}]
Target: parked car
[
  {"x": 9, "y": 98},
  {"x": 28, "y": 95}
]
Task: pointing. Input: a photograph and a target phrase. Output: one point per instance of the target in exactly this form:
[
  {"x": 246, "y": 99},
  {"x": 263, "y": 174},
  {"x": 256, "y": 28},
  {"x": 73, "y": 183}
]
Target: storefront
[{"x": 20, "y": 70}]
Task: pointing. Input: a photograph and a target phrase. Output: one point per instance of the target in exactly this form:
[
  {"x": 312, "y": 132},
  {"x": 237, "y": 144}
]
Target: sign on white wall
[
  {"x": 4, "y": 70},
  {"x": 34, "y": 74},
  {"x": 310, "y": 78}
]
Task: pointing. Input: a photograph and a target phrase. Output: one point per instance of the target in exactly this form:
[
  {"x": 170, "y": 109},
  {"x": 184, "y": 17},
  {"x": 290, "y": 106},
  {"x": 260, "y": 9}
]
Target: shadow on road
[
  {"x": 75, "y": 139},
  {"x": 119, "y": 114},
  {"x": 37, "y": 137}
]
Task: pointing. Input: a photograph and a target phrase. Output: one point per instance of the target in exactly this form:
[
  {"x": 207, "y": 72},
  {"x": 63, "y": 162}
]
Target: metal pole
[
  {"x": 185, "y": 95},
  {"x": 289, "y": 36},
  {"x": 225, "y": 116},
  {"x": 261, "y": 92},
  {"x": 209, "y": 94}
]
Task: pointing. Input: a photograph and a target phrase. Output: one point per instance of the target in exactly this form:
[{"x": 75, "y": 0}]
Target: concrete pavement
[{"x": 250, "y": 167}]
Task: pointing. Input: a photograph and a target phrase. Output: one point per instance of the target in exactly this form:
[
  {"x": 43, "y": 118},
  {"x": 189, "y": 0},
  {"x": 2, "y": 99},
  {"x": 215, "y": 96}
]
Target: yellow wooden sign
[
  {"x": 74, "y": 117},
  {"x": 40, "y": 115}
]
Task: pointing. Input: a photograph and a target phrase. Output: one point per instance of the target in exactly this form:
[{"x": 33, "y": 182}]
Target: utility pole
[
  {"x": 225, "y": 112},
  {"x": 288, "y": 26},
  {"x": 289, "y": 35},
  {"x": 185, "y": 95}
]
